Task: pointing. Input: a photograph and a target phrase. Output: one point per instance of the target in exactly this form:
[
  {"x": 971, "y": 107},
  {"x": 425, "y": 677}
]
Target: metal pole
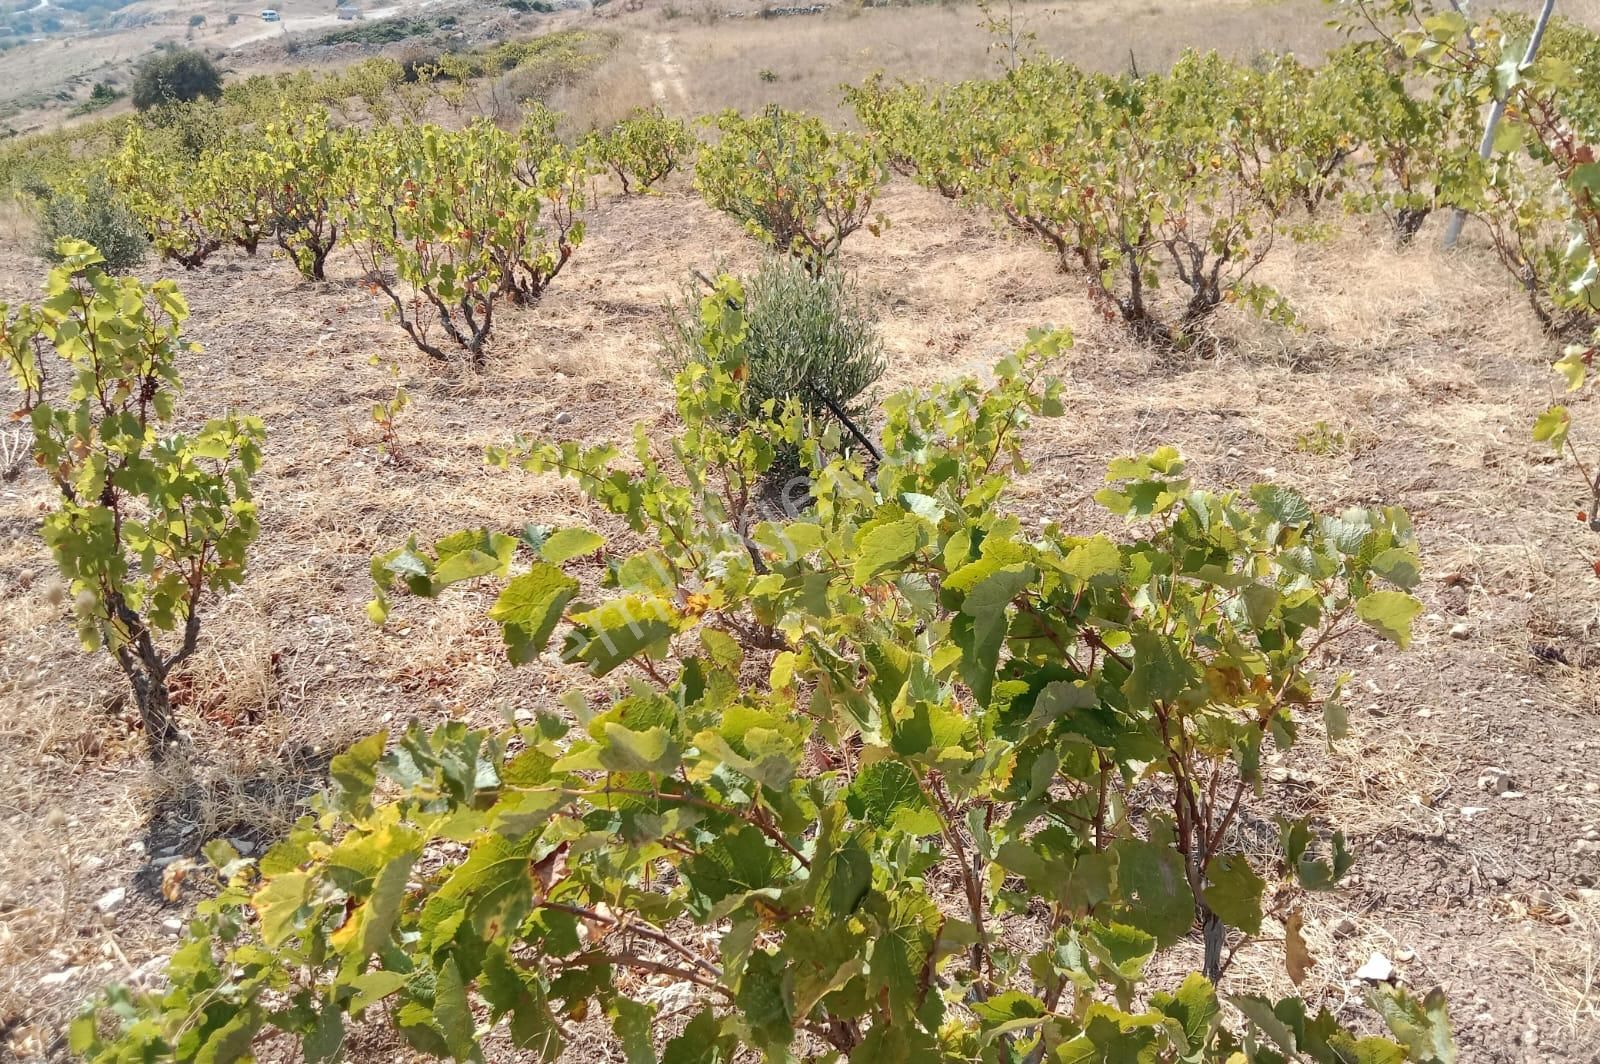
[{"x": 1458, "y": 218}]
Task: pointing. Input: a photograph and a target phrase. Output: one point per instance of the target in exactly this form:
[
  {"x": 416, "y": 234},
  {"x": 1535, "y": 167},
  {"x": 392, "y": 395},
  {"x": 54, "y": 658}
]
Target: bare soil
[{"x": 1423, "y": 370}]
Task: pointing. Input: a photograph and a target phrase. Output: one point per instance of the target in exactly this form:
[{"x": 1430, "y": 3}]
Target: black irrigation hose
[{"x": 833, "y": 408}]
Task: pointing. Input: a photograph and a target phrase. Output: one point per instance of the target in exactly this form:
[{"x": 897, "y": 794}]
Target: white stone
[
  {"x": 112, "y": 900},
  {"x": 1378, "y": 969}
]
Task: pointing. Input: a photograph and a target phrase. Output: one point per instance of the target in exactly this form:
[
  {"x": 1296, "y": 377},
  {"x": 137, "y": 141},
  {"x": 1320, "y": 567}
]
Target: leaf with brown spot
[{"x": 547, "y": 871}]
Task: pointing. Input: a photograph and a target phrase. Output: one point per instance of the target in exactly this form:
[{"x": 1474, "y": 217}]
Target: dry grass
[
  {"x": 618, "y": 86},
  {"x": 728, "y": 56},
  {"x": 809, "y": 57}
]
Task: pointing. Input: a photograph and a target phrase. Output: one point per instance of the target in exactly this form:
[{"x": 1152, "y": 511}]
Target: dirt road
[{"x": 303, "y": 23}]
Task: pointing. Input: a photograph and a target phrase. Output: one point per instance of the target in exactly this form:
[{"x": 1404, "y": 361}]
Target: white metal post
[{"x": 1458, "y": 217}]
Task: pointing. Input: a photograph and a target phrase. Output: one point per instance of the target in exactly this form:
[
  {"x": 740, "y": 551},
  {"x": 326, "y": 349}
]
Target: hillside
[{"x": 1411, "y": 380}]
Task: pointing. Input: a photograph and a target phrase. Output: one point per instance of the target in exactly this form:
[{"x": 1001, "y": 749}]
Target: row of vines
[{"x": 889, "y": 777}]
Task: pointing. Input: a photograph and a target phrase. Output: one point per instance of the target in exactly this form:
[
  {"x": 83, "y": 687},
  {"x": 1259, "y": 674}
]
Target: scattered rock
[
  {"x": 112, "y": 900},
  {"x": 1406, "y": 956},
  {"x": 1494, "y": 781},
  {"x": 1460, "y": 631},
  {"x": 66, "y": 975},
  {"x": 150, "y": 972},
  {"x": 1345, "y": 928},
  {"x": 172, "y": 925},
  {"x": 1470, "y": 811},
  {"x": 1378, "y": 969},
  {"x": 563, "y": 418}
]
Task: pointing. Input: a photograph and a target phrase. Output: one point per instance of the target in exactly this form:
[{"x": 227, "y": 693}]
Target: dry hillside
[{"x": 1412, "y": 382}]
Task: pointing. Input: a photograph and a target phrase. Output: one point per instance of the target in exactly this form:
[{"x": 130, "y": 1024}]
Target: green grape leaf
[
  {"x": 1194, "y": 1006},
  {"x": 1551, "y": 427},
  {"x": 883, "y": 546},
  {"x": 355, "y": 773},
  {"x": 653, "y": 750},
  {"x": 1422, "y": 1027},
  {"x": 1154, "y": 892},
  {"x": 451, "y": 1013},
  {"x": 1233, "y": 891},
  {"x": 632, "y": 1023},
  {"x": 1283, "y": 505},
  {"x": 529, "y": 608},
  {"x": 900, "y": 952},
  {"x": 569, "y": 543},
  {"x": 1390, "y": 613},
  {"x": 887, "y": 794}
]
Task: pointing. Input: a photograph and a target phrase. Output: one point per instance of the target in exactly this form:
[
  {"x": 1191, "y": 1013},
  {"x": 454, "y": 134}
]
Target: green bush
[
  {"x": 104, "y": 94},
  {"x": 178, "y": 76},
  {"x": 808, "y": 339},
  {"x": 796, "y": 185},
  {"x": 95, "y": 215},
  {"x": 900, "y": 780},
  {"x": 385, "y": 31},
  {"x": 641, "y": 149},
  {"x": 150, "y": 523}
]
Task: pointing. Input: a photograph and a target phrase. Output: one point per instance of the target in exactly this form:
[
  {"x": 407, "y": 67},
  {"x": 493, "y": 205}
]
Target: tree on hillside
[{"x": 179, "y": 76}]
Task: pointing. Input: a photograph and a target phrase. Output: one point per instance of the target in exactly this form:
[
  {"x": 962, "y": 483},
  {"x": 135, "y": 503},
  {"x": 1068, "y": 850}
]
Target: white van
[{"x": 269, "y": 15}]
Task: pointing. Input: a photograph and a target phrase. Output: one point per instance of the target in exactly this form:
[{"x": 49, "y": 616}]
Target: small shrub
[
  {"x": 1138, "y": 185},
  {"x": 95, "y": 215},
  {"x": 192, "y": 206},
  {"x": 305, "y": 162},
  {"x": 387, "y": 410},
  {"x": 796, "y": 185},
  {"x": 176, "y": 76},
  {"x": 1323, "y": 440},
  {"x": 148, "y": 524},
  {"x": 808, "y": 339},
  {"x": 386, "y": 31},
  {"x": 641, "y": 149},
  {"x": 104, "y": 94},
  {"x": 444, "y": 223}
]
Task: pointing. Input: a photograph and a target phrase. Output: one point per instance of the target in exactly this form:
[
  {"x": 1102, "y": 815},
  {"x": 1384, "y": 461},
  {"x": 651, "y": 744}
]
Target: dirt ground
[{"x": 1422, "y": 369}]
